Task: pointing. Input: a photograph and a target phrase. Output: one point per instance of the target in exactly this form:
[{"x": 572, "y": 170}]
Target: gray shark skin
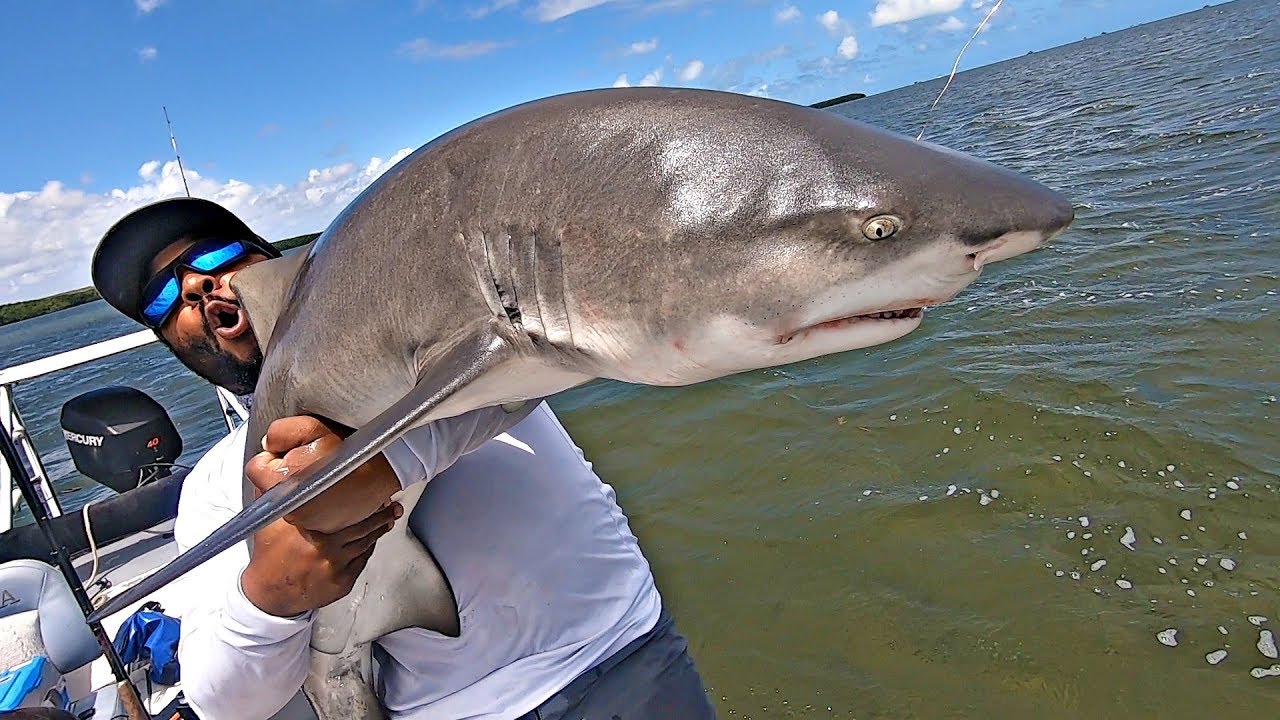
[{"x": 646, "y": 235}]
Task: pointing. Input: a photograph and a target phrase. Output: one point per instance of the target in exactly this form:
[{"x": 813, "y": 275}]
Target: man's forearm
[{"x": 239, "y": 662}]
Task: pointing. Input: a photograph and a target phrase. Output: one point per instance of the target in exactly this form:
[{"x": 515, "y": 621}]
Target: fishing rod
[
  {"x": 174, "y": 142},
  {"x": 127, "y": 693}
]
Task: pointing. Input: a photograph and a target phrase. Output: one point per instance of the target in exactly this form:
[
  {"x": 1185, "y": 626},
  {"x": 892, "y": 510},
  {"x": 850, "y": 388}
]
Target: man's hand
[
  {"x": 292, "y": 570},
  {"x": 313, "y": 556},
  {"x": 291, "y": 444}
]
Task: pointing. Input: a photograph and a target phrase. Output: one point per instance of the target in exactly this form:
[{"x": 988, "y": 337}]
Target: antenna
[{"x": 174, "y": 142}]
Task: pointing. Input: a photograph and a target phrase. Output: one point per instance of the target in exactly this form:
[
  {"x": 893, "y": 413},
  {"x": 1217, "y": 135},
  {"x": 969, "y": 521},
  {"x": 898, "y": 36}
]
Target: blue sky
[{"x": 284, "y": 111}]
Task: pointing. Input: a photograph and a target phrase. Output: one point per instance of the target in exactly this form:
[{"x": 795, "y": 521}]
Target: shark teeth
[{"x": 895, "y": 314}]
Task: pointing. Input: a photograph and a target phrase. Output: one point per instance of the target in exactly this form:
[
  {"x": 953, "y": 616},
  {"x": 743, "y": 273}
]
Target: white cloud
[
  {"x": 651, "y": 78},
  {"x": 641, "y": 47},
  {"x": 146, "y": 6},
  {"x": 484, "y": 10},
  {"x": 692, "y": 71},
  {"x": 848, "y": 49},
  {"x": 47, "y": 236},
  {"x": 787, "y": 14},
  {"x": 422, "y": 48},
  {"x": 888, "y": 12},
  {"x": 147, "y": 54},
  {"x": 552, "y": 10},
  {"x": 951, "y": 24},
  {"x": 832, "y": 22},
  {"x": 622, "y": 81}
]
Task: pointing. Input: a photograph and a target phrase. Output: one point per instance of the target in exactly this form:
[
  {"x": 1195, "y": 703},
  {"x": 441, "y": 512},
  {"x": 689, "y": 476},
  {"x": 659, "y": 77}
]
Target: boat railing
[{"x": 233, "y": 412}]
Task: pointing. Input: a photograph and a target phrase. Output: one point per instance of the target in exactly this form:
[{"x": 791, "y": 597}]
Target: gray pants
[{"x": 652, "y": 678}]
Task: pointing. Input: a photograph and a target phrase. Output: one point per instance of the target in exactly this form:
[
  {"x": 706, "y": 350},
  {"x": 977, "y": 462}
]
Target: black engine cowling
[{"x": 119, "y": 436}]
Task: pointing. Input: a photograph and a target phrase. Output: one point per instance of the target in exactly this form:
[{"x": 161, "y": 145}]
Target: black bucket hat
[{"x": 121, "y": 264}]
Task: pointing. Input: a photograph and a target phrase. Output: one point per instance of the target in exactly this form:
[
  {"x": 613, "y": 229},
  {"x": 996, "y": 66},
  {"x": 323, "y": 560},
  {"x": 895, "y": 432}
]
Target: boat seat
[{"x": 40, "y": 616}]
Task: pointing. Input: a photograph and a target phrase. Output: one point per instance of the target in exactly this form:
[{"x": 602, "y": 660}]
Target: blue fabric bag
[{"x": 149, "y": 634}]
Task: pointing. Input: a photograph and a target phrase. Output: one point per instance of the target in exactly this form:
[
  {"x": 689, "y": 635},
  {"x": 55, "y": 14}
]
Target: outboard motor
[{"x": 120, "y": 436}]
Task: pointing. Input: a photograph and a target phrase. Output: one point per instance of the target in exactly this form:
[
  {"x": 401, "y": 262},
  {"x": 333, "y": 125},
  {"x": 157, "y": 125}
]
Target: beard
[{"x": 206, "y": 359}]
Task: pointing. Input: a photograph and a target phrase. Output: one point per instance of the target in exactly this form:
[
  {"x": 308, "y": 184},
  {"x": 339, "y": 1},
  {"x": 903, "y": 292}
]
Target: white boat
[{"x": 128, "y": 536}]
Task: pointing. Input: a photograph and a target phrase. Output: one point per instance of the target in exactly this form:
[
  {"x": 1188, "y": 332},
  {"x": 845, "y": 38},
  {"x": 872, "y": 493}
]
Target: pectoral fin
[{"x": 448, "y": 370}]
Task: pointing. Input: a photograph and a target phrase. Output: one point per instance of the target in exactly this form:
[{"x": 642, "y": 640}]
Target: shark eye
[{"x": 881, "y": 227}]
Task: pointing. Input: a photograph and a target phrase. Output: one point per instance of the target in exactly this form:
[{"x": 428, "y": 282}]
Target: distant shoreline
[
  {"x": 27, "y": 309},
  {"x": 838, "y": 100}
]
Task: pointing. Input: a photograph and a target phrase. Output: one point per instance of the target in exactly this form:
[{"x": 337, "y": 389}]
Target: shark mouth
[{"x": 882, "y": 316}]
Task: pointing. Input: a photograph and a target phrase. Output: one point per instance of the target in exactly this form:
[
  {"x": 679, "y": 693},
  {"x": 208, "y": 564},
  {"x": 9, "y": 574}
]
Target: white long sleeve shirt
[{"x": 548, "y": 577}]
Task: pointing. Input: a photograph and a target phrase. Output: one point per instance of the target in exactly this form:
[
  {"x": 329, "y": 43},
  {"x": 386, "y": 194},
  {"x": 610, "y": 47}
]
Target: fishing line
[{"x": 957, "y": 65}]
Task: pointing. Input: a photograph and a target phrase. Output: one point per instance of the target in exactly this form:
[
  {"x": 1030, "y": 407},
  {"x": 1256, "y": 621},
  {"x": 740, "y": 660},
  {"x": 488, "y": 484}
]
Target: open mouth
[
  {"x": 225, "y": 319},
  {"x": 882, "y": 316},
  {"x": 903, "y": 314}
]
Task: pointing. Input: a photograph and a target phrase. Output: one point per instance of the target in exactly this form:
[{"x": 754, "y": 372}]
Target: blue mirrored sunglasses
[{"x": 163, "y": 291}]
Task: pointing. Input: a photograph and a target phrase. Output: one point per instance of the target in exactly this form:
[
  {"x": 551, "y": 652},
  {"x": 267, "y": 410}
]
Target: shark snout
[
  {"x": 1039, "y": 216},
  {"x": 1006, "y": 246},
  {"x": 1058, "y": 216}
]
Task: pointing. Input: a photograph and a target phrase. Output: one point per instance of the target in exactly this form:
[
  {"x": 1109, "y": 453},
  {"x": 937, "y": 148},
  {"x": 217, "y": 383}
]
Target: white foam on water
[
  {"x": 1186, "y": 514},
  {"x": 956, "y": 430},
  {"x": 1128, "y": 539},
  {"x": 1242, "y": 536},
  {"x": 1222, "y": 630},
  {"x": 1087, "y": 536},
  {"x": 1227, "y": 564},
  {"x": 995, "y": 493},
  {"x": 1071, "y": 534},
  {"x": 1173, "y": 561},
  {"x": 1216, "y": 657},
  {"x": 1267, "y": 644},
  {"x": 1162, "y": 571},
  {"x": 1057, "y": 458},
  {"x": 1059, "y": 573},
  {"x": 1257, "y": 620},
  {"x": 1098, "y": 565},
  {"x": 1190, "y": 592},
  {"x": 1124, "y": 584},
  {"x": 951, "y": 490},
  {"x": 1075, "y": 575},
  {"x": 1177, "y": 483},
  {"x": 1084, "y": 521},
  {"x": 1202, "y": 561},
  {"x": 1170, "y": 468},
  {"x": 1157, "y": 540},
  {"x": 986, "y": 499},
  {"x": 1121, "y": 463},
  {"x": 1273, "y": 671},
  {"x": 1233, "y": 484},
  {"x": 893, "y": 417},
  {"x": 1168, "y": 637}
]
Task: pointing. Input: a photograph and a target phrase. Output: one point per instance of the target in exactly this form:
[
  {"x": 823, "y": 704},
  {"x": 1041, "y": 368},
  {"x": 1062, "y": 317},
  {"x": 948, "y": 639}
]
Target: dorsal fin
[{"x": 263, "y": 288}]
